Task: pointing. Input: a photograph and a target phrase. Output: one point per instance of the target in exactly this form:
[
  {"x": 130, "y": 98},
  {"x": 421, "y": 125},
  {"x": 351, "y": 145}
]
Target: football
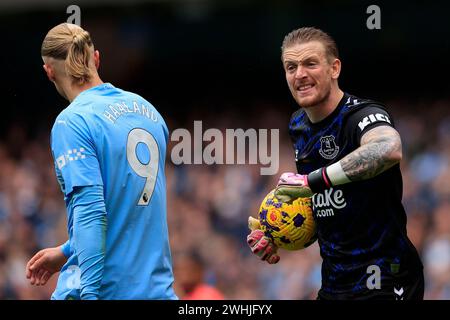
[{"x": 290, "y": 226}]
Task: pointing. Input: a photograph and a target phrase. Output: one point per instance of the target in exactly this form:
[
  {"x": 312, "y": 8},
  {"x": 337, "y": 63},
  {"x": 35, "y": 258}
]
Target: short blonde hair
[
  {"x": 308, "y": 34},
  {"x": 71, "y": 43}
]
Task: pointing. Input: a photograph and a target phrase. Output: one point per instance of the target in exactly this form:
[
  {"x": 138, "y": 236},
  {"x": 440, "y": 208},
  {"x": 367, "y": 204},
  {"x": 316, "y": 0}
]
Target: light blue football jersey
[{"x": 116, "y": 139}]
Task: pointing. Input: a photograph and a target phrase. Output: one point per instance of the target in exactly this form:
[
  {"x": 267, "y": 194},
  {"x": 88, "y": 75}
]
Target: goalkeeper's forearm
[{"x": 380, "y": 150}]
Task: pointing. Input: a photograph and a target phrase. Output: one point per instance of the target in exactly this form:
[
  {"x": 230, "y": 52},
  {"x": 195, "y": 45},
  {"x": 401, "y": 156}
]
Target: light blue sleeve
[
  {"x": 65, "y": 248},
  {"x": 74, "y": 153},
  {"x": 89, "y": 236}
]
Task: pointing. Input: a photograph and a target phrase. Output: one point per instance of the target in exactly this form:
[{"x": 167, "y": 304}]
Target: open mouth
[{"x": 304, "y": 87}]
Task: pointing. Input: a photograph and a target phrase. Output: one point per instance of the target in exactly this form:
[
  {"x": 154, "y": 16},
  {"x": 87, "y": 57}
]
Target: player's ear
[
  {"x": 97, "y": 59},
  {"x": 50, "y": 72},
  {"x": 335, "y": 69}
]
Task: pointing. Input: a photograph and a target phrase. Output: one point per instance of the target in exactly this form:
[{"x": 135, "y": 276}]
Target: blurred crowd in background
[
  {"x": 208, "y": 207},
  {"x": 219, "y": 62}
]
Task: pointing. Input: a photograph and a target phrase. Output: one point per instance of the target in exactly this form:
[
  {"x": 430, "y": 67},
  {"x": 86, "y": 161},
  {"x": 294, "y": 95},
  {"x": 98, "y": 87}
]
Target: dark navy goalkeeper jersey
[{"x": 361, "y": 225}]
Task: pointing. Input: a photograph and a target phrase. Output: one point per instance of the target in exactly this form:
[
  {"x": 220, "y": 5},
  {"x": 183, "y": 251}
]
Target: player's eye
[{"x": 290, "y": 67}]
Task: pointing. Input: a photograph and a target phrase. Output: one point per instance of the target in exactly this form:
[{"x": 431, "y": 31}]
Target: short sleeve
[
  {"x": 74, "y": 153},
  {"x": 362, "y": 120}
]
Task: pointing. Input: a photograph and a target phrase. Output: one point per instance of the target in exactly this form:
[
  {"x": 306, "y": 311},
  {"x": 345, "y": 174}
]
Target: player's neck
[
  {"x": 319, "y": 112},
  {"x": 75, "y": 89}
]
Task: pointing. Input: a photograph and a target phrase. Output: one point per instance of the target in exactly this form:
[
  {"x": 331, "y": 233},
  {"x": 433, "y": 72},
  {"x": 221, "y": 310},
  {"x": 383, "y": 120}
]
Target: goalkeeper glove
[
  {"x": 292, "y": 186},
  {"x": 260, "y": 244}
]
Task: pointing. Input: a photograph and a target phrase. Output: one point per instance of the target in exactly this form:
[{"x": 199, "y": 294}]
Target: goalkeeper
[{"x": 347, "y": 154}]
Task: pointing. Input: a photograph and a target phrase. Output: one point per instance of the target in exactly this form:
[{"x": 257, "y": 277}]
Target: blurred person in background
[
  {"x": 347, "y": 153},
  {"x": 109, "y": 149},
  {"x": 190, "y": 274},
  {"x": 437, "y": 253}
]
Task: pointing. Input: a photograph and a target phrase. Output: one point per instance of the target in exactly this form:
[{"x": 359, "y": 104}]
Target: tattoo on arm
[{"x": 380, "y": 149}]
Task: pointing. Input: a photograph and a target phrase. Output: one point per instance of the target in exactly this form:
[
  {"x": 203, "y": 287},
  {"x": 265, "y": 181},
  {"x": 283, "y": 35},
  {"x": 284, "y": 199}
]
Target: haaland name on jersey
[{"x": 112, "y": 113}]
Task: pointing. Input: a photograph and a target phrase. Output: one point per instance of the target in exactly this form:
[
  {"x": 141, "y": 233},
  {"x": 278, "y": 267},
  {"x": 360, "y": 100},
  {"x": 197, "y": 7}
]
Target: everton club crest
[{"x": 328, "y": 147}]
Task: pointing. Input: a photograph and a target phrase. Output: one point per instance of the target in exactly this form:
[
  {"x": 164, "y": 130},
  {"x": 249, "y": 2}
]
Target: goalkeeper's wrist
[{"x": 326, "y": 177}]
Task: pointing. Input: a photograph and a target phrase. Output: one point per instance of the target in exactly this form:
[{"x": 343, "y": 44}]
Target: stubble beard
[{"x": 317, "y": 102}]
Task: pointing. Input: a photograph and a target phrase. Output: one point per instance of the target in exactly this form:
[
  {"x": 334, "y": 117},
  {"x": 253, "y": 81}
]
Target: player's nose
[{"x": 300, "y": 72}]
